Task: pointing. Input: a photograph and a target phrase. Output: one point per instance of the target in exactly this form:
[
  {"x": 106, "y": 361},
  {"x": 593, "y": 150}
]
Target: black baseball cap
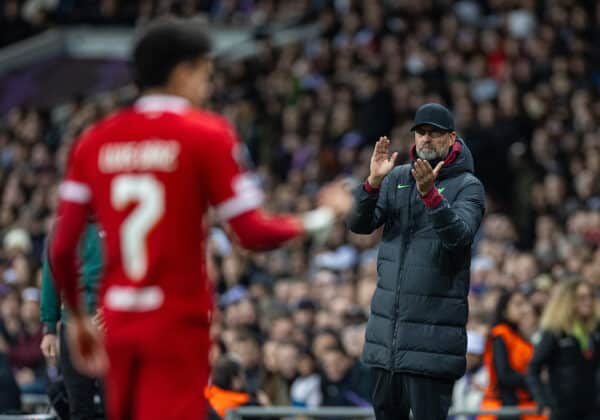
[{"x": 434, "y": 114}]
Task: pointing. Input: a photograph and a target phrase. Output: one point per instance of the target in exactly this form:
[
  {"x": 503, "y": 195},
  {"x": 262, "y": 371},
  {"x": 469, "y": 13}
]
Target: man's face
[{"x": 432, "y": 142}]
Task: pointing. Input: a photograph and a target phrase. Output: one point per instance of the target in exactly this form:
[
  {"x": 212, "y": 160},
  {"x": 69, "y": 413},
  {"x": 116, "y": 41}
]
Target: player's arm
[
  {"x": 257, "y": 229},
  {"x": 75, "y": 196},
  {"x": 238, "y": 201},
  {"x": 63, "y": 250},
  {"x": 86, "y": 348}
]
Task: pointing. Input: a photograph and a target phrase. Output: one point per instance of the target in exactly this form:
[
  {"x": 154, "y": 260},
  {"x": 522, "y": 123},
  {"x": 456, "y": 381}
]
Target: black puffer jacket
[
  {"x": 419, "y": 308},
  {"x": 572, "y": 390}
]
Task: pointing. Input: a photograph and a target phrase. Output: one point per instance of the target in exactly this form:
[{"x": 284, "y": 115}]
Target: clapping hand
[
  {"x": 424, "y": 175},
  {"x": 381, "y": 162}
]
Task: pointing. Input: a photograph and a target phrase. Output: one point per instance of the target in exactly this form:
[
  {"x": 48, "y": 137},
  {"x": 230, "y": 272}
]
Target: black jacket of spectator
[
  {"x": 10, "y": 395},
  {"x": 419, "y": 308},
  {"x": 354, "y": 390},
  {"x": 572, "y": 386}
]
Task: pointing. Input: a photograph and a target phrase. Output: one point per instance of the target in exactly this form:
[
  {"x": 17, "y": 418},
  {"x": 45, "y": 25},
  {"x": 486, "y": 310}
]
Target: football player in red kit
[{"x": 149, "y": 173}]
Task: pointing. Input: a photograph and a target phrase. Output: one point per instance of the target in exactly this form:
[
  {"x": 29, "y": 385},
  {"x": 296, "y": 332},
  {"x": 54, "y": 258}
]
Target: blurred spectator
[
  {"x": 468, "y": 390},
  {"x": 344, "y": 382},
  {"x": 22, "y": 330},
  {"x": 10, "y": 397},
  {"x": 227, "y": 389},
  {"x": 246, "y": 348},
  {"x": 507, "y": 355},
  {"x": 306, "y": 388},
  {"x": 279, "y": 380},
  {"x": 569, "y": 348}
]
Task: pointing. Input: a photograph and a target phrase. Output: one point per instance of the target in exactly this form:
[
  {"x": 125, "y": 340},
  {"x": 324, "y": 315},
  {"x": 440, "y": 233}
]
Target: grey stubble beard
[{"x": 429, "y": 155}]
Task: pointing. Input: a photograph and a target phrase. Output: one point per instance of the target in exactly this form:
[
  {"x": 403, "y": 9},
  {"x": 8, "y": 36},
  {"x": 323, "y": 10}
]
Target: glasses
[{"x": 433, "y": 133}]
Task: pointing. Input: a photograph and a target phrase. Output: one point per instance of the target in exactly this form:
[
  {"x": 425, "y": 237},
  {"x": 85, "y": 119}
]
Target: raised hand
[
  {"x": 424, "y": 175},
  {"x": 381, "y": 162}
]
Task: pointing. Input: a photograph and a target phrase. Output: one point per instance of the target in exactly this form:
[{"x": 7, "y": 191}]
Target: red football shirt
[{"x": 149, "y": 174}]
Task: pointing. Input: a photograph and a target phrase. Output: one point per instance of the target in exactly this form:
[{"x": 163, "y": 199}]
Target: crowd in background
[
  {"x": 522, "y": 79},
  {"x": 21, "y": 19}
]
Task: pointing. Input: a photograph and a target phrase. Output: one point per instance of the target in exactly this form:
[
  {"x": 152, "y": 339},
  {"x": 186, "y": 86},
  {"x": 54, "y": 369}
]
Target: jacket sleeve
[
  {"x": 91, "y": 264},
  {"x": 370, "y": 208},
  {"x": 541, "y": 357},
  {"x": 49, "y": 301},
  {"x": 507, "y": 376},
  {"x": 457, "y": 223}
]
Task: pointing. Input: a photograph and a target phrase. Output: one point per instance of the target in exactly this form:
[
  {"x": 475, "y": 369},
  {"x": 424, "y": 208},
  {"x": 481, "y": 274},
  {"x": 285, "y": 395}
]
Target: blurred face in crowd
[
  {"x": 306, "y": 365},
  {"x": 554, "y": 189},
  {"x": 335, "y": 365},
  {"x": 584, "y": 298},
  {"x": 270, "y": 356},
  {"x": 282, "y": 329},
  {"x": 304, "y": 317},
  {"x": 30, "y": 311},
  {"x": 324, "y": 286},
  {"x": 10, "y": 306},
  {"x": 325, "y": 319},
  {"x": 228, "y": 336},
  {"x": 338, "y": 307},
  {"x": 231, "y": 270},
  {"x": 526, "y": 268},
  {"x": 353, "y": 339},
  {"x": 247, "y": 312},
  {"x": 528, "y": 324},
  {"x": 247, "y": 351},
  {"x": 516, "y": 308},
  {"x": 298, "y": 290},
  {"x": 433, "y": 143},
  {"x": 287, "y": 360},
  {"x": 321, "y": 342}
]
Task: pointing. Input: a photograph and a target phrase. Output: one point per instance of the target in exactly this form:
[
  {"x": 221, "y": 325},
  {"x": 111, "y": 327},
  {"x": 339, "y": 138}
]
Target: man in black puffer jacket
[{"x": 430, "y": 209}]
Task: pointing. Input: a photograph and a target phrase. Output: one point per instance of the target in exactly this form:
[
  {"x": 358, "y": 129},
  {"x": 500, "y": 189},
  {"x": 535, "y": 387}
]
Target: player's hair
[
  {"x": 225, "y": 370},
  {"x": 164, "y": 44}
]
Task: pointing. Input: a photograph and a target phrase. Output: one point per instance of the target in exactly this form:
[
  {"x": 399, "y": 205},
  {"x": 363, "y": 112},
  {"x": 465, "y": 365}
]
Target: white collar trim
[{"x": 161, "y": 103}]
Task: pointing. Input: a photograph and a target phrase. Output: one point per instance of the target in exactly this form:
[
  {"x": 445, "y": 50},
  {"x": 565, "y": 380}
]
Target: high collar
[{"x": 161, "y": 103}]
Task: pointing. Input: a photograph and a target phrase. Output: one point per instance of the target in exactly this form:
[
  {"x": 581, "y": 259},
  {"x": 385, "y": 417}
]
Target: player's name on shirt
[{"x": 150, "y": 155}]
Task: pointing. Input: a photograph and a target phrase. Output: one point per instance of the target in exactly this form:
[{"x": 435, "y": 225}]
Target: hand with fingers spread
[
  {"x": 381, "y": 162},
  {"x": 424, "y": 175}
]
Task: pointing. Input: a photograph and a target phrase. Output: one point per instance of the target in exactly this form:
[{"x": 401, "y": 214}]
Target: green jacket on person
[{"x": 90, "y": 254}]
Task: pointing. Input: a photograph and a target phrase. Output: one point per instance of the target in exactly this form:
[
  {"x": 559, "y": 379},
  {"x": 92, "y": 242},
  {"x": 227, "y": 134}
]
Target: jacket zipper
[{"x": 405, "y": 242}]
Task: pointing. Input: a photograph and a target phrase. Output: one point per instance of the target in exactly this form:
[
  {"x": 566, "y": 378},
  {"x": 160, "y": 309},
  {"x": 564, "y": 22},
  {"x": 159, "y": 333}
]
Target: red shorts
[{"x": 156, "y": 372}]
